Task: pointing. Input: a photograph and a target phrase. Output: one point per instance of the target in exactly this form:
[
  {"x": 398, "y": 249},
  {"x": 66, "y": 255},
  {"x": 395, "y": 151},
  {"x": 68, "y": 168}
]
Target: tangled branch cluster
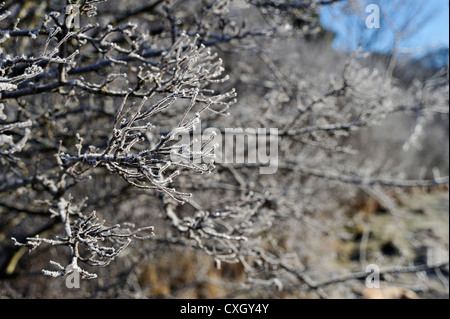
[
  {"x": 7, "y": 143},
  {"x": 85, "y": 235},
  {"x": 134, "y": 150}
]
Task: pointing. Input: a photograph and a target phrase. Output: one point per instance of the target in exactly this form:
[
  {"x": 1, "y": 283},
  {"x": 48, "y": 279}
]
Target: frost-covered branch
[{"x": 86, "y": 237}]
